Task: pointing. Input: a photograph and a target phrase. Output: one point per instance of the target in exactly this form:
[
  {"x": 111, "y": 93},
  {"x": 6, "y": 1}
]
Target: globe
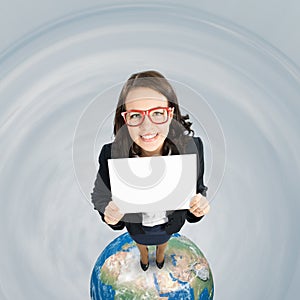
[{"x": 117, "y": 273}]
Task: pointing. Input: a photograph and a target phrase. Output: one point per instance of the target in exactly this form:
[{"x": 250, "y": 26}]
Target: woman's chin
[{"x": 152, "y": 148}]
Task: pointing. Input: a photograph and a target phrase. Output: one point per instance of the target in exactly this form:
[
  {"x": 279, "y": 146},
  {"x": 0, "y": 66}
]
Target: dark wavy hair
[{"x": 180, "y": 126}]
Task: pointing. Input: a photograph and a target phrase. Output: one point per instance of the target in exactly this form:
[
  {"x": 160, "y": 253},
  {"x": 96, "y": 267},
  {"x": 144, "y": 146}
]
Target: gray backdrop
[{"x": 235, "y": 68}]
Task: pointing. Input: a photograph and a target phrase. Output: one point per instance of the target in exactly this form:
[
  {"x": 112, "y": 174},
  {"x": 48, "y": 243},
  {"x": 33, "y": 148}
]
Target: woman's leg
[
  {"x": 160, "y": 252},
  {"x": 144, "y": 253}
]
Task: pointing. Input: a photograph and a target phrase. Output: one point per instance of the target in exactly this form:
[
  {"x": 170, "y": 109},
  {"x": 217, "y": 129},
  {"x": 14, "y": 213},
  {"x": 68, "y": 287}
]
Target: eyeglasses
[{"x": 157, "y": 115}]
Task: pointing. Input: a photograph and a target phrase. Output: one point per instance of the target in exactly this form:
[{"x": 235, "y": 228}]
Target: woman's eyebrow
[{"x": 144, "y": 109}]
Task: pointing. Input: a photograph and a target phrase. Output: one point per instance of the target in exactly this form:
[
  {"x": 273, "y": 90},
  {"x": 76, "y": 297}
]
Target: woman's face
[{"x": 149, "y": 136}]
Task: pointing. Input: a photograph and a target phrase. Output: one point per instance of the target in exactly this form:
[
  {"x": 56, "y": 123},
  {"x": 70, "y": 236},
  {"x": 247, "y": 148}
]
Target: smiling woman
[
  {"x": 148, "y": 133},
  {"x": 148, "y": 123}
]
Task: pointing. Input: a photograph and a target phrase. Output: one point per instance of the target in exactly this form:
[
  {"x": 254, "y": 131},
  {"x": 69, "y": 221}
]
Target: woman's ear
[{"x": 172, "y": 113}]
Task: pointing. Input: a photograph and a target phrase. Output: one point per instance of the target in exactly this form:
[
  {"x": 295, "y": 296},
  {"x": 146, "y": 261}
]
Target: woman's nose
[{"x": 146, "y": 123}]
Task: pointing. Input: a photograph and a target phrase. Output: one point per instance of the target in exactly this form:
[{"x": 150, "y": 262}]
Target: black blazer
[{"x": 101, "y": 194}]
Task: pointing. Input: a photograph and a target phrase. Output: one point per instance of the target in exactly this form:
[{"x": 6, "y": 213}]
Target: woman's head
[
  {"x": 144, "y": 91},
  {"x": 148, "y": 117}
]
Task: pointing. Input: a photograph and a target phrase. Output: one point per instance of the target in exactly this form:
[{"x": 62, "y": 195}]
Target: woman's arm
[
  {"x": 101, "y": 195},
  {"x": 201, "y": 188},
  {"x": 199, "y": 205}
]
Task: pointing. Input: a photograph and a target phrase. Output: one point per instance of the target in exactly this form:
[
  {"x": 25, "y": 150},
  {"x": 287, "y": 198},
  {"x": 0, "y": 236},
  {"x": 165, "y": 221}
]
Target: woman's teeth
[{"x": 148, "y": 137}]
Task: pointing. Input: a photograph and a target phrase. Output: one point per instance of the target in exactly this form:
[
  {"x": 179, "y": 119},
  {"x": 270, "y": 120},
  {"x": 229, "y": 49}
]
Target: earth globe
[{"x": 117, "y": 273}]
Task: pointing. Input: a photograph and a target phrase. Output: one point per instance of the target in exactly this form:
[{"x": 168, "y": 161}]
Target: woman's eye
[
  {"x": 158, "y": 113},
  {"x": 135, "y": 116}
]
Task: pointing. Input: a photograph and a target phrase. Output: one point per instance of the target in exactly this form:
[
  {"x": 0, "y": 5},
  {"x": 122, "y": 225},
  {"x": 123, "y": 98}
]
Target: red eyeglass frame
[{"x": 146, "y": 112}]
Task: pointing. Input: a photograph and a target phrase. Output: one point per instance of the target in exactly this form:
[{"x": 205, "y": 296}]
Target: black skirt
[{"x": 154, "y": 235}]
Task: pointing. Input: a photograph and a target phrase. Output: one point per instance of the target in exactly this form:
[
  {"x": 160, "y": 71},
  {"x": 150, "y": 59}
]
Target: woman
[{"x": 148, "y": 122}]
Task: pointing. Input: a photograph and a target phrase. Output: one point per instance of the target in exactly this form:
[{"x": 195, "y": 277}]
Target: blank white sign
[{"x": 157, "y": 183}]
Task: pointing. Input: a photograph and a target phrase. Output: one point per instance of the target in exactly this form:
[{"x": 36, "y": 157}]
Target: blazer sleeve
[
  {"x": 201, "y": 188},
  {"x": 101, "y": 194}
]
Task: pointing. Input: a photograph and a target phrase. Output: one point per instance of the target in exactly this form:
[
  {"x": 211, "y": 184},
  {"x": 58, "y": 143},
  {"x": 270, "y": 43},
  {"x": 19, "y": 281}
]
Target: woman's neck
[{"x": 156, "y": 152}]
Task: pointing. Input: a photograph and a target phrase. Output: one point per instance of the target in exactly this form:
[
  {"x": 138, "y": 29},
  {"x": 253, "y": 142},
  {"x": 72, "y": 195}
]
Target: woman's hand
[
  {"x": 199, "y": 205},
  {"x": 112, "y": 214}
]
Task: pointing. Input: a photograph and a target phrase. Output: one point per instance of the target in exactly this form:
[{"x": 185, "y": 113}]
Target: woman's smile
[{"x": 148, "y": 138}]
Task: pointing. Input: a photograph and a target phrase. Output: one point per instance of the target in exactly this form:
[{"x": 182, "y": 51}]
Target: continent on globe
[{"x": 185, "y": 275}]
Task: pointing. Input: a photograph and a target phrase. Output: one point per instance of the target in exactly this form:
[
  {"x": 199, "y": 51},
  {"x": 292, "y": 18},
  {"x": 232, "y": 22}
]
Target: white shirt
[{"x": 154, "y": 218}]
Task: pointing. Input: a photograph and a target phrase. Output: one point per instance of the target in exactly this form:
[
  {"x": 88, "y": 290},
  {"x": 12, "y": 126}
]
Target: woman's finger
[
  {"x": 110, "y": 220},
  {"x": 203, "y": 206},
  {"x": 112, "y": 213},
  {"x": 198, "y": 201},
  {"x": 203, "y": 201},
  {"x": 113, "y": 206},
  {"x": 206, "y": 209},
  {"x": 195, "y": 200},
  {"x": 194, "y": 208},
  {"x": 198, "y": 211}
]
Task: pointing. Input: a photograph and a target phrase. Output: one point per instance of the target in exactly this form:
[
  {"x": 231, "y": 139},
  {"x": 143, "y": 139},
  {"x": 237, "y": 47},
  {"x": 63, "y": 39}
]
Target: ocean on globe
[{"x": 117, "y": 273}]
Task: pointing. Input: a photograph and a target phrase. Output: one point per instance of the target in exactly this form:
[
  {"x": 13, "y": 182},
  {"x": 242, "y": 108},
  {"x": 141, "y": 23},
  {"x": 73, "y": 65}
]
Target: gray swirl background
[{"x": 50, "y": 234}]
